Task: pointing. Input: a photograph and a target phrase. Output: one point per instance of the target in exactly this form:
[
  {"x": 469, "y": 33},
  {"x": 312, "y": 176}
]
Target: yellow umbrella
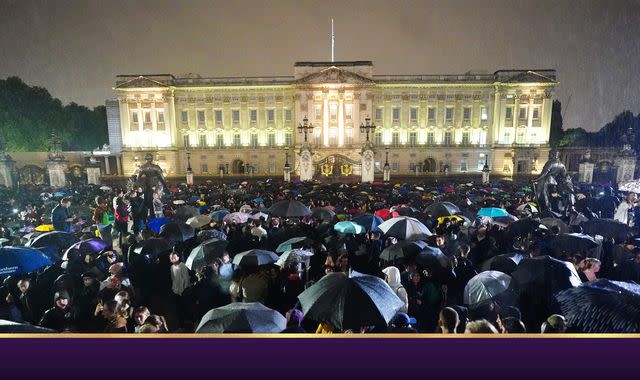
[
  {"x": 443, "y": 219},
  {"x": 45, "y": 228}
]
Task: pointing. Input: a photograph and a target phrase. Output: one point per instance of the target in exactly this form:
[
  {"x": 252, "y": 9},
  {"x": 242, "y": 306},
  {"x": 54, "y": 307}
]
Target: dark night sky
[{"x": 75, "y": 48}]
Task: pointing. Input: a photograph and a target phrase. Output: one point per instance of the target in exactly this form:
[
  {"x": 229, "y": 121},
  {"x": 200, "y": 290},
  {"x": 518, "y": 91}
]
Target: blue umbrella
[
  {"x": 219, "y": 215},
  {"x": 368, "y": 221},
  {"x": 258, "y": 200},
  {"x": 492, "y": 212},
  {"x": 156, "y": 223},
  {"x": 59, "y": 194},
  {"x": 21, "y": 260},
  {"x": 349, "y": 228}
]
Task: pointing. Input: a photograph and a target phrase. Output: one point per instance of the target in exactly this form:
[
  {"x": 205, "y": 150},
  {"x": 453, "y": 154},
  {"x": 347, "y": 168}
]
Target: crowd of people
[{"x": 126, "y": 267}]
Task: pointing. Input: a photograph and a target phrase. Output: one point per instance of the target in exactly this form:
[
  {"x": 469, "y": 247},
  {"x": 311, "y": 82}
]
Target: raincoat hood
[{"x": 393, "y": 275}]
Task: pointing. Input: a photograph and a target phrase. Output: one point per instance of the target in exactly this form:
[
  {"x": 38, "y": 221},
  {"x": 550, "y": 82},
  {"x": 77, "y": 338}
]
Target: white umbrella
[
  {"x": 179, "y": 202},
  {"x": 406, "y": 228},
  {"x": 293, "y": 256},
  {"x": 259, "y": 215},
  {"x": 105, "y": 188},
  {"x": 198, "y": 221}
]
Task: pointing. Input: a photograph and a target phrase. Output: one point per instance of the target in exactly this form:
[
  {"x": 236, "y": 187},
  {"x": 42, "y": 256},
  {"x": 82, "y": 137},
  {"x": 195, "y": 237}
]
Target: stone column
[
  {"x": 6, "y": 170},
  {"x": 368, "y": 164},
  {"x": 93, "y": 171},
  {"x": 56, "y": 169},
  {"x": 306, "y": 164}
]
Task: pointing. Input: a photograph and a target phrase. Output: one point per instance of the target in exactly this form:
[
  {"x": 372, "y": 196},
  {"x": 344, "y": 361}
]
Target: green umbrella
[{"x": 349, "y": 228}]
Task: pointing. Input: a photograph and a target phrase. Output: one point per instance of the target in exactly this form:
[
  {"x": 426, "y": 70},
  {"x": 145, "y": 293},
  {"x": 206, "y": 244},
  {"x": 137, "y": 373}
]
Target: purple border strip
[{"x": 303, "y": 358}]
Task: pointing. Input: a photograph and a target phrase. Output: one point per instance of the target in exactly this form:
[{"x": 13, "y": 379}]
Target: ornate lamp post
[
  {"x": 287, "y": 165},
  {"x": 189, "y": 170},
  {"x": 386, "y": 171},
  {"x": 367, "y": 127},
  {"x": 485, "y": 170},
  {"x": 306, "y": 128},
  {"x": 306, "y": 161}
]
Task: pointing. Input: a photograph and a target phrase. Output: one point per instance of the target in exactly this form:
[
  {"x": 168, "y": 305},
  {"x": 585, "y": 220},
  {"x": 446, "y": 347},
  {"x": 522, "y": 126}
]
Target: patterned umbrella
[
  {"x": 255, "y": 257},
  {"x": 405, "y": 228},
  {"x": 21, "y": 260}
]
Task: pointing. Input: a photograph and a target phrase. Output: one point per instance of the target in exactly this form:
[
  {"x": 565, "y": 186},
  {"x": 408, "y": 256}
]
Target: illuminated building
[{"x": 431, "y": 123}]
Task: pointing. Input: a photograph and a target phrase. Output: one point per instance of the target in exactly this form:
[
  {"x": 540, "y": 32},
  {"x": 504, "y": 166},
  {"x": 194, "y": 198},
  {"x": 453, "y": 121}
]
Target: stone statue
[
  {"x": 553, "y": 175},
  {"x": 149, "y": 175}
]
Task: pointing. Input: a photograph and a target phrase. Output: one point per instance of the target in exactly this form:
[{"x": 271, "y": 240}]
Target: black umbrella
[
  {"x": 537, "y": 280},
  {"x": 602, "y": 306},
  {"x": 255, "y": 257},
  {"x": 573, "y": 243},
  {"x": 176, "y": 232},
  {"x": 432, "y": 258},
  {"x": 350, "y": 302},
  {"x": 211, "y": 234},
  {"x": 506, "y": 263},
  {"x": 607, "y": 228},
  {"x": 205, "y": 252},
  {"x": 21, "y": 328},
  {"x": 402, "y": 249},
  {"x": 237, "y": 317},
  {"x": 58, "y": 239},
  {"x": 323, "y": 213},
  {"x": 521, "y": 228},
  {"x": 185, "y": 212},
  {"x": 156, "y": 246},
  {"x": 441, "y": 209},
  {"x": 289, "y": 208}
]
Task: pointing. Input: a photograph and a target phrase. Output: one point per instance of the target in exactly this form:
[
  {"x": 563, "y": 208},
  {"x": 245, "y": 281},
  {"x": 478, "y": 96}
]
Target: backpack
[
  {"x": 122, "y": 215},
  {"x": 107, "y": 217}
]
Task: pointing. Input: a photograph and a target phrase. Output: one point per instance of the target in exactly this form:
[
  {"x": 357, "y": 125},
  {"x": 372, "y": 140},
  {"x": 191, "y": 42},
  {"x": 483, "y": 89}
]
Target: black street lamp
[
  {"x": 367, "y": 127},
  {"x": 189, "y": 162},
  {"x": 305, "y": 128},
  {"x": 286, "y": 157}
]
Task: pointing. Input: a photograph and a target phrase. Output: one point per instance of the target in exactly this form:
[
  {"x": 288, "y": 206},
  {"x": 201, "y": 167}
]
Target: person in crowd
[
  {"x": 588, "y": 269},
  {"x": 555, "y": 324},
  {"x": 294, "y": 322},
  {"x": 624, "y": 211},
  {"x": 448, "y": 321},
  {"x": 513, "y": 325},
  {"x": 140, "y": 315},
  {"x": 61, "y": 216},
  {"x": 481, "y": 326},
  {"x": 402, "y": 323},
  {"x": 158, "y": 206},
  {"x": 392, "y": 277},
  {"x": 122, "y": 219},
  {"x": 60, "y": 317}
]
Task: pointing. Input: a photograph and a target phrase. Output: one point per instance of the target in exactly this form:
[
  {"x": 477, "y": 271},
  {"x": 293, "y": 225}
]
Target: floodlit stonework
[{"x": 431, "y": 124}]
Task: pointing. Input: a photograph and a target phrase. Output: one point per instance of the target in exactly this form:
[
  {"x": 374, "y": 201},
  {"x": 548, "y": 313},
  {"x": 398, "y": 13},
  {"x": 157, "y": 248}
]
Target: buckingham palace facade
[{"x": 424, "y": 124}]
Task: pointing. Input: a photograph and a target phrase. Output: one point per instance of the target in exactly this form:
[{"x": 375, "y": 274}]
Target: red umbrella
[{"x": 386, "y": 214}]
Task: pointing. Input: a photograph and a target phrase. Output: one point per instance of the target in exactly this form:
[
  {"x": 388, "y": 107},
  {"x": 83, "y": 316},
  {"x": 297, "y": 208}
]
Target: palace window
[
  {"x": 271, "y": 139},
  {"x": 377, "y": 139},
  {"x": 509, "y": 113},
  {"x": 185, "y": 141},
  {"x": 287, "y": 115},
  {"x": 134, "y": 121},
  {"x": 522, "y": 113},
  {"x": 348, "y": 136},
  {"x": 253, "y": 114},
  {"x": 333, "y": 136},
  {"x": 160, "y": 117},
  {"x": 536, "y": 113},
  {"x": 396, "y": 114},
  {"x": 317, "y": 136},
  {"x": 448, "y": 114},
  {"x": 481, "y": 161},
  {"x": 413, "y": 138},
  {"x": 317, "y": 110},
  {"x": 219, "y": 140},
  {"x": 414, "y": 114},
  {"x": 465, "y": 138},
  {"x": 288, "y": 139},
  {"x": 254, "y": 140},
  {"x": 218, "y": 116},
  {"x": 348, "y": 111},
  {"x": 395, "y": 138},
  {"x": 203, "y": 141},
  {"x": 333, "y": 112},
  {"x": 201, "y": 117},
  {"x": 483, "y": 114},
  {"x": 430, "y": 138},
  {"x": 507, "y": 137},
  {"x": 431, "y": 114},
  {"x": 520, "y": 138},
  {"x": 463, "y": 166},
  {"x": 378, "y": 113},
  {"x": 272, "y": 167},
  {"x": 271, "y": 116},
  {"x": 184, "y": 116},
  {"x": 204, "y": 168},
  {"x": 235, "y": 116},
  {"x": 447, "y": 138},
  {"x": 466, "y": 113},
  {"x": 147, "y": 116},
  {"x": 236, "y": 140},
  {"x": 394, "y": 166}
]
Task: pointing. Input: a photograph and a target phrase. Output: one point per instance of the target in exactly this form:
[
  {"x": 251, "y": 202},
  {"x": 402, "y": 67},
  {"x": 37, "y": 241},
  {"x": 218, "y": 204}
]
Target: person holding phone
[{"x": 61, "y": 216}]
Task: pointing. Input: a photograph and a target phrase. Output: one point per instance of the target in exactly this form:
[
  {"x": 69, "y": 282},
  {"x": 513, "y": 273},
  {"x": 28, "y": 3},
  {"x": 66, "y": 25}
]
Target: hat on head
[
  {"x": 402, "y": 319},
  {"x": 61, "y": 295}
]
